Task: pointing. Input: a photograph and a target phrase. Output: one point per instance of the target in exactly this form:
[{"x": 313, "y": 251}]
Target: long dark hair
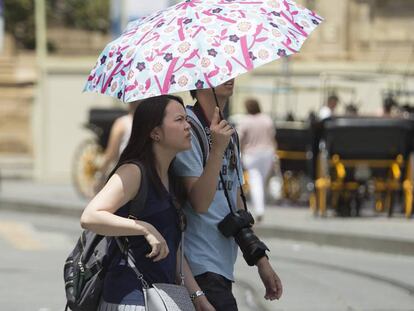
[{"x": 148, "y": 115}]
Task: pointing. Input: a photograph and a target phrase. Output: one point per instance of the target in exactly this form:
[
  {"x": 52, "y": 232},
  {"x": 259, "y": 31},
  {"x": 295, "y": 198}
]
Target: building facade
[{"x": 363, "y": 49}]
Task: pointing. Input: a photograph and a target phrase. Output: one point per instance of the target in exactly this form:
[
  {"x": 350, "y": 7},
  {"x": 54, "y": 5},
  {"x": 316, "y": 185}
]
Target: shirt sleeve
[{"x": 189, "y": 163}]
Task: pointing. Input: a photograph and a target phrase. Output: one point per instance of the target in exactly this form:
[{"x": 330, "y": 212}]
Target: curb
[
  {"x": 352, "y": 241},
  {"x": 345, "y": 240},
  {"x": 40, "y": 208}
]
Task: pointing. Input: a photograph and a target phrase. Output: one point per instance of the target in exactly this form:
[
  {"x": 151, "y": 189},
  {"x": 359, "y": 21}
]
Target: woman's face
[{"x": 175, "y": 130}]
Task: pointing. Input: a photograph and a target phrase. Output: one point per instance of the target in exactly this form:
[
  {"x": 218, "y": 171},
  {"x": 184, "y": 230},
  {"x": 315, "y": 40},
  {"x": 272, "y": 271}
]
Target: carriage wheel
[
  {"x": 246, "y": 187},
  {"x": 292, "y": 186},
  {"x": 85, "y": 166}
]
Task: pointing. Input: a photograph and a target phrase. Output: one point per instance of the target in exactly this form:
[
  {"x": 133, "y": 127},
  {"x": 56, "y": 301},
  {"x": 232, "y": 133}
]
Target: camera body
[
  {"x": 238, "y": 225},
  {"x": 234, "y": 222}
]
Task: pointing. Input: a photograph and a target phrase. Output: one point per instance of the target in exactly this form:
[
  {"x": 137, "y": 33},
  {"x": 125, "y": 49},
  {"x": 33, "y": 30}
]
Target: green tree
[
  {"x": 82, "y": 14},
  {"x": 19, "y": 21},
  {"x": 88, "y": 15}
]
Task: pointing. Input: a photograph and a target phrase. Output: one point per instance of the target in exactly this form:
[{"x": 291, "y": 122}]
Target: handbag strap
[
  {"x": 132, "y": 263},
  {"x": 140, "y": 199}
]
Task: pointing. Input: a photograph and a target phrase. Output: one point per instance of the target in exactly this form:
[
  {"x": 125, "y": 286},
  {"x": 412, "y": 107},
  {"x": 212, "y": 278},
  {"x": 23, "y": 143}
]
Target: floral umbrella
[{"x": 199, "y": 44}]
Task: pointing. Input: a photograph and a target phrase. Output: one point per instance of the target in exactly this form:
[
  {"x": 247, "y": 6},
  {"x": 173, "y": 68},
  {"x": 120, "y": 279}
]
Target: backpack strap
[
  {"x": 201, "y": 137},
  {"x": 141, "y": 197}
]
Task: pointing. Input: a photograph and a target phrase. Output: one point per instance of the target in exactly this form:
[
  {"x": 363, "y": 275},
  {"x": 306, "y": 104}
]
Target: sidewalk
[{"x": 374, "y": 233}]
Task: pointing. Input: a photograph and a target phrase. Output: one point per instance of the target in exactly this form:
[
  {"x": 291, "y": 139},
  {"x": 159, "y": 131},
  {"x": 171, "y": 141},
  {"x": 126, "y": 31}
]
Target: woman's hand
[
  {"x": 159, "y": 247},
  {"x": 221, "y": 132}
]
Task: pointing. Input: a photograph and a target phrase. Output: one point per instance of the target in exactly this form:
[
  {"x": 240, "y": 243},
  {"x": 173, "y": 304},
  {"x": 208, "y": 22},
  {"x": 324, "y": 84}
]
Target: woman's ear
[{"x": 155, "y": 134}]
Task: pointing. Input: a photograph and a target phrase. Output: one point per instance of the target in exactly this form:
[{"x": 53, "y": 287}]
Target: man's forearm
[{"x": 204, "y": 189}]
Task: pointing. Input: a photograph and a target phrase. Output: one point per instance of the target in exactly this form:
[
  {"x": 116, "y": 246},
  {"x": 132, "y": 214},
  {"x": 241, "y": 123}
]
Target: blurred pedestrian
[
  {"x": 351, "y": 110},
  {"x": 159, "y": 131},
  {"x": 328, "y": 110},
  {"x": 258, "y": 145},
  {"x": 118, "y": 139},
  {"x": 389, "y": 106},
  {"x": 290, "y": 117}
]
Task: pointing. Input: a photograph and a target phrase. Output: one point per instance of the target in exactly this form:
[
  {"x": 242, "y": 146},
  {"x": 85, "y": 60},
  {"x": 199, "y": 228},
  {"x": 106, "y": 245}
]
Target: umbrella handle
[{"x": 217, "y": 104}]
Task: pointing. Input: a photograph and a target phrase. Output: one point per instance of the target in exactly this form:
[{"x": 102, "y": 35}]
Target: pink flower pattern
[{"x": 162, "y": 53}]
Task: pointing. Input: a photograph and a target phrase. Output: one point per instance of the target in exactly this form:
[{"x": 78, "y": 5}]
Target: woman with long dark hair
[{"x": 159, "y": 131}]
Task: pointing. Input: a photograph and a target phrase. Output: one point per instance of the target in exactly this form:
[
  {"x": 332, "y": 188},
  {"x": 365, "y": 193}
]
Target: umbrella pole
[{"x": 217, "y": 103}]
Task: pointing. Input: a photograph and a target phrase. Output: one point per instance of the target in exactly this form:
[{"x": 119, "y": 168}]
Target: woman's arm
[{"x": 99, "y": 215}]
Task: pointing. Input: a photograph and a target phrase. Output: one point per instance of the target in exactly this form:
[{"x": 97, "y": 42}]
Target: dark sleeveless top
[{"x": 121, "y": 285}]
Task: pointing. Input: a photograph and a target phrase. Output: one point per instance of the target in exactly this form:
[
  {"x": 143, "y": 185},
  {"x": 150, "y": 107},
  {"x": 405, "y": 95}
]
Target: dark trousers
[{"x": 218, "y": 291}]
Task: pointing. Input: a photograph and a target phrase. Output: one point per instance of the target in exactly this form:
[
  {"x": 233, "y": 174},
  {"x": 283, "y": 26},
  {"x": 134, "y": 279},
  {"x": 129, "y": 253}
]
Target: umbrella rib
[
  {"x": 245, "y": 51},
  {"x": 296, "y": 26},
  {"x": 240, "y": 63}
]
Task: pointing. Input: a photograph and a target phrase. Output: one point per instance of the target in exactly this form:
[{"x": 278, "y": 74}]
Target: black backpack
[{"x": 86, "y": 265}]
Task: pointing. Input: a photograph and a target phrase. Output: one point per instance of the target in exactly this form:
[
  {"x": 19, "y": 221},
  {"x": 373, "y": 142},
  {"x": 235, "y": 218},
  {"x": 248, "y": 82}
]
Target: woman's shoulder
[
  {"x": 132, "y": 168},
  {"x": 131, "y": 174}
]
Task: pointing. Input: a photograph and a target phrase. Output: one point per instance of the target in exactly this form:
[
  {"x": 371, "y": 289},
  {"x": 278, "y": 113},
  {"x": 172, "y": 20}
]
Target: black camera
[{"x": 238, "y": 225}]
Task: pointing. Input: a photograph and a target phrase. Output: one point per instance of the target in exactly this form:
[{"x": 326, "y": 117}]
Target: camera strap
[{"x": 203, "y": 135}]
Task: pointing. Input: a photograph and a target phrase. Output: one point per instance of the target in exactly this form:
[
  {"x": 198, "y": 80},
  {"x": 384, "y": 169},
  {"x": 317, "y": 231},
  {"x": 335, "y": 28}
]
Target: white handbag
[
  {"x": 164, "y": 296},
  {"x": 167, "y": 297}
]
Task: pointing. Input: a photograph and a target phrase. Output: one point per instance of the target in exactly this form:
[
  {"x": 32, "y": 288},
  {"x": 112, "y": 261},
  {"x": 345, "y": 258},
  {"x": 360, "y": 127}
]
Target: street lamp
[
  {"x": 1, "y": 26},
  {"x": 40, "y": 107}
]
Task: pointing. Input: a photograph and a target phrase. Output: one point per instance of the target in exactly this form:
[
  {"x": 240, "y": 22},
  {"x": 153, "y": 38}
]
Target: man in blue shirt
[{"x": 209, "y": 253}]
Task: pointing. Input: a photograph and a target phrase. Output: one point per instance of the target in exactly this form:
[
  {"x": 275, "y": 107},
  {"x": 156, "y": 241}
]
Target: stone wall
[
  {"x": 15, "y": 119},
  {"x": 17, "y": 82},
  {"x": 362, "y": 30},
  {"x": 76, "y": 42}
]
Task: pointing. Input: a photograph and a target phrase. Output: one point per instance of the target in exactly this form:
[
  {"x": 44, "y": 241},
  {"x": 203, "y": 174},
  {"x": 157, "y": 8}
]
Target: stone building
[{"x": 363, "y": 49}]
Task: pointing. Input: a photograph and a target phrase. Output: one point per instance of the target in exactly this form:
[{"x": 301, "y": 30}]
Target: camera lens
[{"x": 252, "y": 248}]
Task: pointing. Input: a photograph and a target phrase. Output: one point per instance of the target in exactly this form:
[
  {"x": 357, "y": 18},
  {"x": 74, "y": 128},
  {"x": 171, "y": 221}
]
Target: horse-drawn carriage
[
  {"x": 364, "y": 157},
  {"x": 344, "y": 163},
  {"x": 294, "y": 153}
]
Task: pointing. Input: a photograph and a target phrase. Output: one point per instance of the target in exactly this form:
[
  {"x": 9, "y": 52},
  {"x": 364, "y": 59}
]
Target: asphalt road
[{"x": 34, "y": 247}]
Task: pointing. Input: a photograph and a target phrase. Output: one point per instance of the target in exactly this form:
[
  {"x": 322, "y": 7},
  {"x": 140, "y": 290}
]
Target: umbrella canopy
[{"x": 199, "y": 44}]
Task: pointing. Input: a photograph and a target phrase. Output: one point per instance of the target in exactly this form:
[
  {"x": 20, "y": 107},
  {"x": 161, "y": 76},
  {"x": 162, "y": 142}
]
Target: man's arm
[
  {"x": 201, "y": 190},
  {"x": 269, "y": 277},
  {"x": 111, "y": 153}
]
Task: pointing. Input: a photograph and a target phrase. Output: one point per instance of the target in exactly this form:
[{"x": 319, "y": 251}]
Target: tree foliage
[
  {"x": 81, "y": 14},
  {"x": 19, "y": 21},
  {"x": 19, "y": 17}
]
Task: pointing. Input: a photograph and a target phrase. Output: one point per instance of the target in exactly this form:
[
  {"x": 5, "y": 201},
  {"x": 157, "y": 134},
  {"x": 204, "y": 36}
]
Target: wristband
[{"x": 196, "y": 294}]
